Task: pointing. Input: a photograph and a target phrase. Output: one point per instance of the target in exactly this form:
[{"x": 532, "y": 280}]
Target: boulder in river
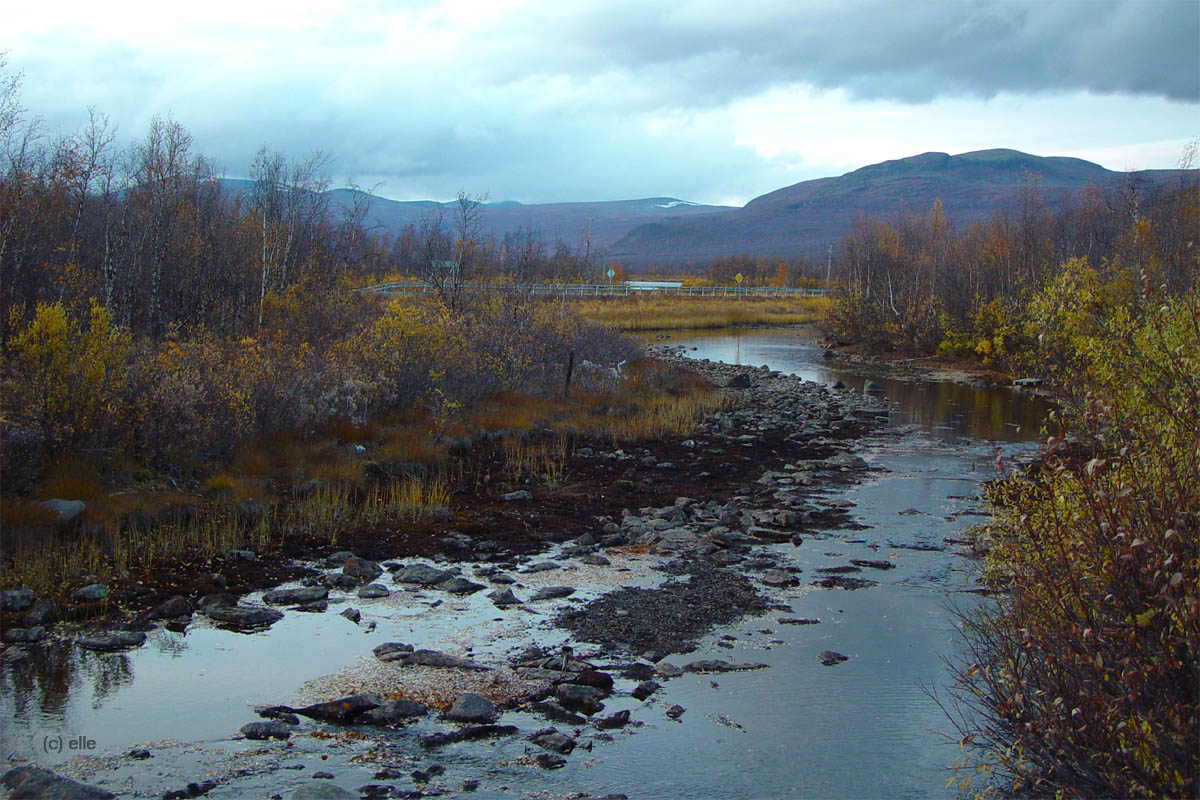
[
  {"x": 551, "y": 739},
  {"x": 617, "y": 720},
  {"x": 32, "y": 783},
  {"x": 459, "y": 585},
  {"x": 779, "y": 578},
  {"x": 435, "y": 658},
  {"x": 322, "y": 791},
  {"x": 470, "y": 733},
  {"x": 23, "y": 635},
  {"x": 16, "y": 599},
  {"x": 552, "y": 593},
  {"x": 373, "y": 590},
  {"x": 831, "y": 657},
  {"x": 555, "y": 712},
  {"x": 471, "y": 707},
  {"x": 585, "y": 699},
  {"x": 362, "y": 569},
  {"x": 420, "y": 574},
  {"x": 116, "y": 640},
  {"x": 243, "y": 618},
  {"x": 341, "y": 710},
  {"x": 298, "y": 595},
  {"x": 177, "y": 606},
  {"x": 645, "y": 689},
  {"x": 504, "y": 597},
  {"x": 716, "y": 665},
  {"x": 275, "y": 729},
  {"x": 393, "y": 712},
  {"x": 393, "y": 651}
]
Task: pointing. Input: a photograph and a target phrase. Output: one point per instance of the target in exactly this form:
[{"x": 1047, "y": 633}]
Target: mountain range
[{"x": 798, "y": 220}]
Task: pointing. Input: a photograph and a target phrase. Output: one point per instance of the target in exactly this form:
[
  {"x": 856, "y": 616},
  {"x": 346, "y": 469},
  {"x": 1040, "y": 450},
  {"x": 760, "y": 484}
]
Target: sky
[{"x": 549, "y": 101}]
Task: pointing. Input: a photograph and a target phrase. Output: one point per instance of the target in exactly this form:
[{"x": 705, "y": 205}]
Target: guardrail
[{"x": 595, "y": 290}]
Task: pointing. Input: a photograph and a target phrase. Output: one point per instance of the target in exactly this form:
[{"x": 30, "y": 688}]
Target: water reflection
[
  {"x": 945, "y": 408},
  {"x": 37, "y": 684}
]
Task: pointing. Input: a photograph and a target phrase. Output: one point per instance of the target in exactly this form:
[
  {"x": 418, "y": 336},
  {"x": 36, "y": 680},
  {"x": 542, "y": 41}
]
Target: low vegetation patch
[
  {"x": 1084, "y": 676},
  {"x": 659, "y": 313}
]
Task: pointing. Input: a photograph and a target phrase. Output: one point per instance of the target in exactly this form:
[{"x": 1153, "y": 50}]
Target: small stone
[
  {"x": 585, "y": 699},
  {"x": 266, "y": 730},
  {"x": 243, "y": 618},
  {"x": 552, "y": 593},
  {"x": 139, "y": 754},
  {"x": 23, "y": 635},
  {"x": 470, "y": 785},
  {"x": 550, "y": 761},
  {"x": 421, "y": 574},
  {"x": 433, "y": 658},
  {"x": 504, "y": 597},
  {"x": 32, "y": 783},
  {"x": 617, "y": 720},
  {"x": 295, "y": 596},
  {"x": 91, "y": 593},
  {"x": 341, "y": 710},
  {"x": 117, "y": 640},
  {"x": 393, "y": 712},
  {"x": 459, "y": 585},
  {"x": 393, "y": 651},
  {"x": 551, "y": 739},
  {"x": 779, "y": 578},
  {"x": 716, "y": 665},
  {"x": 831, "y": 657},
  {"x": 553, "y": 711},
  {"x": 519, "y": 495},
  {"x": 352, "y": 614},
  {"x": 362, "y": 569},
  {"x": 645, "y": 689},
  {"x": 16, "y": 599},
  {"x": 373, "y": 590},
  {"x": 177, "y": 606},
  {"x": 676, "y": 711}
]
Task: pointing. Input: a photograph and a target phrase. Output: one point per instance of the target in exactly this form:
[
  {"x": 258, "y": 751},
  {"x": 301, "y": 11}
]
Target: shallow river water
[{"x": 864, "y": 728}]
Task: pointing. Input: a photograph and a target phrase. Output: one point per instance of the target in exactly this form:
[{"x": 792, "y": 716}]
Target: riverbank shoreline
[{"x": 752, "y": 475}]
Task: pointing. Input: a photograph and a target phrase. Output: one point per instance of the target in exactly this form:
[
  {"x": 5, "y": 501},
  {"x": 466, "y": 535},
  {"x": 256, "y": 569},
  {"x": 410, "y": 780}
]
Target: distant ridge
[
  {"x": 805, "y": 218},
  {"x": 798, "y": 220}
]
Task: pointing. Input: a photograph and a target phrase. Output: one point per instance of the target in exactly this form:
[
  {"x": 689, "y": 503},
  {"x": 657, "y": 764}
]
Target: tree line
[{"x": 920, "y": 283}]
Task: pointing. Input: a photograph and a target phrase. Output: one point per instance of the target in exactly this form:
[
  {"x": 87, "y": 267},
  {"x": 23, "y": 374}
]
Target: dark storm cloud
[
  {"x": 909, "y": 51},
  {"x": 544, "y": 100}
]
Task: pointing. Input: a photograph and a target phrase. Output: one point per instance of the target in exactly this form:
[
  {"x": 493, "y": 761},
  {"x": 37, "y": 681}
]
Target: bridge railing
[{"x": 595, "y": 290}]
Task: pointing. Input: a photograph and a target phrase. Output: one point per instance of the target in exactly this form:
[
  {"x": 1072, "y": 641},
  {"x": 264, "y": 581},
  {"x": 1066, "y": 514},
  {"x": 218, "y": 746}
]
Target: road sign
[
  {"x": 612, "y": 273},
  {"x": 739, "y": 277}
]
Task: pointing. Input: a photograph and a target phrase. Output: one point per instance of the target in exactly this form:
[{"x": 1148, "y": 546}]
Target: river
[{"x": 867, "y": 727}]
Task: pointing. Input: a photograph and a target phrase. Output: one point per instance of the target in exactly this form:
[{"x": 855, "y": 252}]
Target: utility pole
[{"x": 829, "y": 269}]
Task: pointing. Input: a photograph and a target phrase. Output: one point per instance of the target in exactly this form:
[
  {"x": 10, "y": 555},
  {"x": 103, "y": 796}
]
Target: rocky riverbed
[{"x": 553, "y": 617}]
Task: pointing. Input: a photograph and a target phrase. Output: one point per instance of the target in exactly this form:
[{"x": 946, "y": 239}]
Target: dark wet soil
[
  {"x": 482, "y": 527},
  {"x": 667, "y": 619}
]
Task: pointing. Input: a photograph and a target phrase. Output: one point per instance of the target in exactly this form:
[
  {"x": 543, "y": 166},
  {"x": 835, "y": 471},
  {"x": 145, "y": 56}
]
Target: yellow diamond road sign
[{"x": 739, "y": 277}]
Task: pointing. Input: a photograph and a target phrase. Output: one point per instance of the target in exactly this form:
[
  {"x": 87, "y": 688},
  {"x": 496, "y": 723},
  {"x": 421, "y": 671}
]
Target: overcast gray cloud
[{"x": 540, "y": 100}]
